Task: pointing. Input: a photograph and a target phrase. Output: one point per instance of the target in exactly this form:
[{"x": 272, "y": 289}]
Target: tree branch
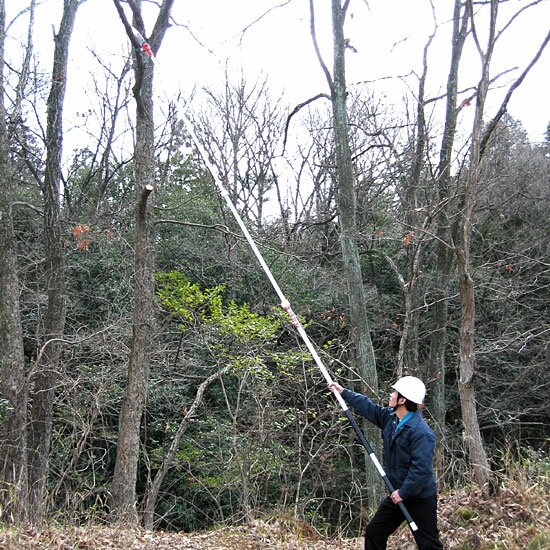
[
  {"x": 139, "y": 61},
  {"x": 492, "y": 125},
  {"x": 316, "y": 45},
  {"x": 243, "y": 31},
  {"x": 295, "y": 111}
]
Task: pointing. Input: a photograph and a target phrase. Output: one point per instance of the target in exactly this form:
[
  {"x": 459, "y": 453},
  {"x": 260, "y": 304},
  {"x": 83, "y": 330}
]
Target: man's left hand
[{"x": 395, "y": 498}]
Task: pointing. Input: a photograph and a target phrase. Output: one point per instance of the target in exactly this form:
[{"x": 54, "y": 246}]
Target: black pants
[{"x": 389, "y": 517}]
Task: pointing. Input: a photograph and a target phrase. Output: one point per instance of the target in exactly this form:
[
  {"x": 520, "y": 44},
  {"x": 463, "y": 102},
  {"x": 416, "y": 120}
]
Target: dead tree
[{"x": 479, "y": 140}]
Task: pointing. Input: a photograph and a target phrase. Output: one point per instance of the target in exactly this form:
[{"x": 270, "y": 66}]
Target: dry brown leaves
[
  {"x": 256, "y": 536},
  {"x": 518, "y": 518}
]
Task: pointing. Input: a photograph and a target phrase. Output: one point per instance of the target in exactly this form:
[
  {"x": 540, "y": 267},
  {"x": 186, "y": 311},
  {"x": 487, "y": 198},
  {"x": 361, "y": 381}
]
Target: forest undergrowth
[{"x": 517, "y": 517}]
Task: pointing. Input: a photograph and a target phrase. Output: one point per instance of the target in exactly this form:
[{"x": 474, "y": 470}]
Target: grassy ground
[{"x": 518, "y": 518}]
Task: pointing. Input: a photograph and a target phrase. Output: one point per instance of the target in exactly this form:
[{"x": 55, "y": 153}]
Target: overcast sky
[{"x": 388, "y": 35}]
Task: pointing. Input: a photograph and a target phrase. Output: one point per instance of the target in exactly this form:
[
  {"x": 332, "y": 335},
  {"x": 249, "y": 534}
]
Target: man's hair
[{"x": 411, "y": 406}]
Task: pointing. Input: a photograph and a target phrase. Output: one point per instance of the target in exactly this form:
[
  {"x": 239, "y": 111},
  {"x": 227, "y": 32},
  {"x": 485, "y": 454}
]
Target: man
[{"x": 409, "y": 445}]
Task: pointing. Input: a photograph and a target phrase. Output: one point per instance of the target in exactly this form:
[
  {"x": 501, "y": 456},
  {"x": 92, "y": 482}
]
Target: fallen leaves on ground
[
  {"x": 256, "y": 536},
  {"x": 518, "y": 518}
]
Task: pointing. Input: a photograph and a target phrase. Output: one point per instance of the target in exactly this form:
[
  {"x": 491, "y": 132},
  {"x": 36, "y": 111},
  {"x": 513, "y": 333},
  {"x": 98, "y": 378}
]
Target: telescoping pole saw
[{"x": 285, "y": 304}]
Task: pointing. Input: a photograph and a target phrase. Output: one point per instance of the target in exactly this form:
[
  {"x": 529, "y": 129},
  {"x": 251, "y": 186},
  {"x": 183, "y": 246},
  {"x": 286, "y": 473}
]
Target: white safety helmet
[{"x": 411, "y": 388}]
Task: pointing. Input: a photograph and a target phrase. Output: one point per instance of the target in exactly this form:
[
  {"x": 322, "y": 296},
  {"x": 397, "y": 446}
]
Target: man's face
[{"x": 393, "y": 399}]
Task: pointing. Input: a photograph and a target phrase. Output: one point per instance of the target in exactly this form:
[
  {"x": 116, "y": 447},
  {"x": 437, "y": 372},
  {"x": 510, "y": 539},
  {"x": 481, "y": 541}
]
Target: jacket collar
[{"x": 412, "y": 422}]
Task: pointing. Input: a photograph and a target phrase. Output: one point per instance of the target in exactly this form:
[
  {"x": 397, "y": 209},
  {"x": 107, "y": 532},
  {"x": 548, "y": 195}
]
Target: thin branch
[
  {"x": 295, "y": 111},
  {"x": 517, "y": 14},
  {"x": 473, "y": 27},
  {"x": 216, "y": 227},
  {"x": 245, "y": 29},
  {"x": 367, "y": 149},
  {"x": 30, "y": 7},
  {"x": 470, "y": 98},
  {"x": 29, "y": 206},
  {"x": 316, "y": 45},
  {"x": 389, "y": 77},
  {"x": 492, "y": 125}
]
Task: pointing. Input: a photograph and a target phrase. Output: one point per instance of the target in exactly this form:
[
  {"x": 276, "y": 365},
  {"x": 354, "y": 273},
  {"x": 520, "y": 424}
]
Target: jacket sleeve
[
  {"x": 422, "y": 446},
  {"x": 365, "y": 407}
]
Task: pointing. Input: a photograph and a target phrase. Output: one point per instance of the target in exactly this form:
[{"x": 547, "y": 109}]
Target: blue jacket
[{"x": 408, "y": 451}]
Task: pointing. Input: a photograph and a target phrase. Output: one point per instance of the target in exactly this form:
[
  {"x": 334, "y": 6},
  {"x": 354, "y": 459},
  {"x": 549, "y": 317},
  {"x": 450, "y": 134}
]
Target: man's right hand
[{"x": 334, "y": 386}]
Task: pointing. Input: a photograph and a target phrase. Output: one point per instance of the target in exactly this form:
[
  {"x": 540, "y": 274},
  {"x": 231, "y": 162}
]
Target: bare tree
[
  {"x": 242, "y": 143},
  {"x": 14, "y": 391},
  {"x": 94, "y": 171},
  {"x": 479, "y": 140},
  {"x": 54, "y": 321},
  {"x": 125, "y": 474},
  {"x": 347, "y": 213},
  {"x": 442, "y": 230}
]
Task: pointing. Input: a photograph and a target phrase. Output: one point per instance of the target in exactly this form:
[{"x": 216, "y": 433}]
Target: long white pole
[{"x": 285, "y": 304}]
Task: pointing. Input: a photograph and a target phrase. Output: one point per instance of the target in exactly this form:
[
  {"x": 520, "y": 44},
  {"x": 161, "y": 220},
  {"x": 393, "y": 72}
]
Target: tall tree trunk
[
  {"x": 13, "y": 480},
  {"x": 480, "y": 139},
  {"x": 143, "y": 319},
  {"x": 472, "y": 433},
  {"x": 49, "y": 353},
  {"x": 346, "y": 203},
  {"x": 444, "y": 252},
  {"x": 407, "y": 358}
]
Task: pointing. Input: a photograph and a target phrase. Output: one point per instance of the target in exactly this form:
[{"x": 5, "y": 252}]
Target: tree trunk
[
  {"x": 480, "y": 139},
  {"x": 442, "y": 229},
  {"x": 472, "y": 433},
  {"x": 408, "y": 357},
  {"x": 346, "y": 202},
  {"x": 49, "y": 354},
  {"x": 13, "y": 480},
  {"x": 143, "y": 319},
  {"x": 135, "y": 393}
]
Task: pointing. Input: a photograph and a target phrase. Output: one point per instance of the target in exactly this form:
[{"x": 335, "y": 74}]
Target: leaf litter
[{"x": 518, "y": 518}]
